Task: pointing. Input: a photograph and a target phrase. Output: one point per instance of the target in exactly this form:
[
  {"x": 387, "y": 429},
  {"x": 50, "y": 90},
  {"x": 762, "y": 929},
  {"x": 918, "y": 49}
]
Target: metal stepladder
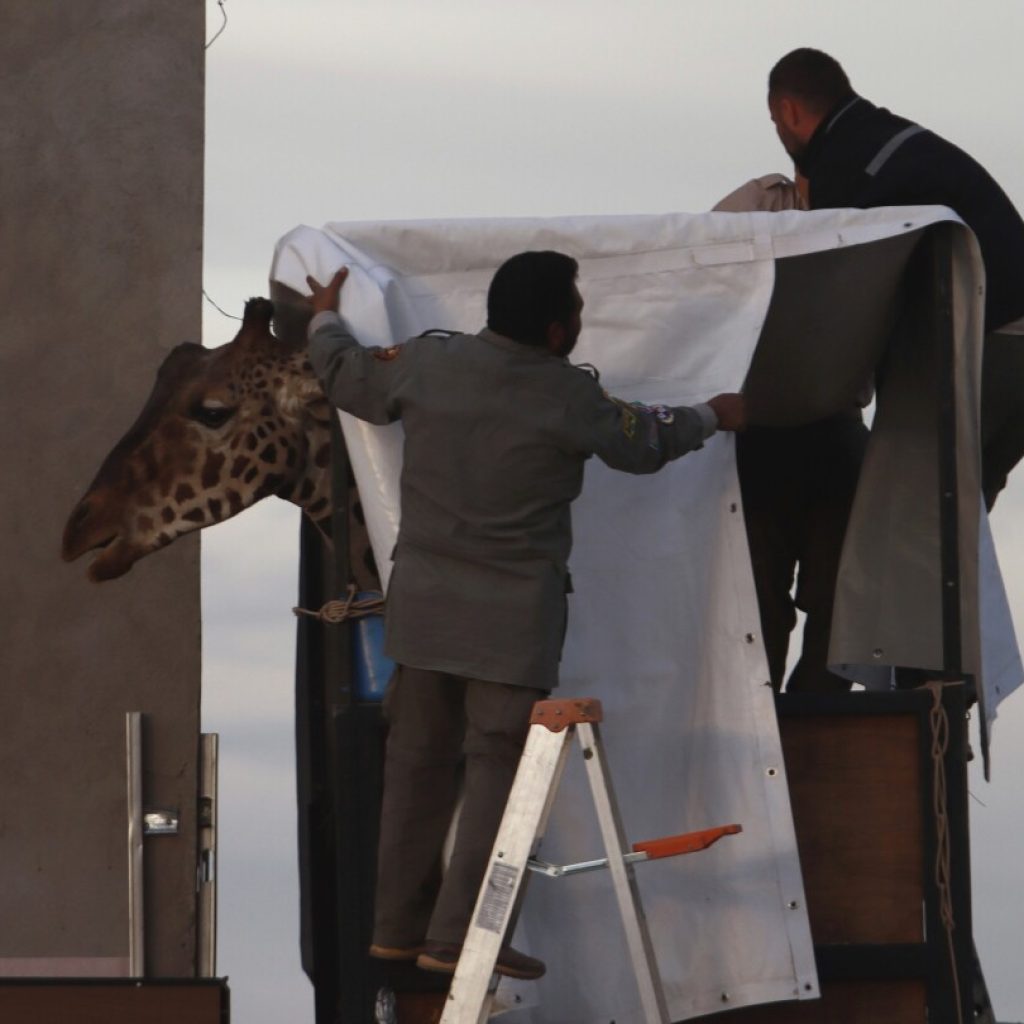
[{"x": 553, "y": 724}]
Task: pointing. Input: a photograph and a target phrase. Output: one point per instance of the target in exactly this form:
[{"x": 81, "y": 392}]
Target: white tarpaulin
[{"x": 664, "y": 625}]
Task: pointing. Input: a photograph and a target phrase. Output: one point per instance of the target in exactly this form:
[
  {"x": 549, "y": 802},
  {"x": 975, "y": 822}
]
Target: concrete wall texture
[{"x": 101, "y": 141}]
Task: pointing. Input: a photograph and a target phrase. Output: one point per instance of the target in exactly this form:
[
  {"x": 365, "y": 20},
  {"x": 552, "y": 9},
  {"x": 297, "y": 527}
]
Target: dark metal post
[
  {"x": 941, "y": 241},
  {"x": 339, "y": 766}
]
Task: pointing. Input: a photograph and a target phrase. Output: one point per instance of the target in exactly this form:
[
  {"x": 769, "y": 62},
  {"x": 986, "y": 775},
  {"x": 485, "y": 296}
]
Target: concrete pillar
[{"x": 101, "y": 103}]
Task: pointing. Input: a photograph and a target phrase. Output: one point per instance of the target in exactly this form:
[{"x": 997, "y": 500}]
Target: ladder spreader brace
[{"x": 552, "y": 726}]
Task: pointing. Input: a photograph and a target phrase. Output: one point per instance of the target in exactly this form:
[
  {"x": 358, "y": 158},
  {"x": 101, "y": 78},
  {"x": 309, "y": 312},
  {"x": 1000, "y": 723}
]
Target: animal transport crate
[
  {"x": 113, "y": 1001},
  {"x": 878, "y": 784}
]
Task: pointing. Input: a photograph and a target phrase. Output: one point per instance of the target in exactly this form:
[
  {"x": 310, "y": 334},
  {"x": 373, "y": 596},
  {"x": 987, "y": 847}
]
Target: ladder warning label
[{"x": 501, "y": 885}]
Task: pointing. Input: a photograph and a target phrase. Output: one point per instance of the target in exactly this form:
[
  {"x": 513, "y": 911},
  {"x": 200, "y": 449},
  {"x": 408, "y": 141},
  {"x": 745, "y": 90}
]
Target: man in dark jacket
[
  {"x": 855, "y": 154},
  {"x": 498, "y": 426}
]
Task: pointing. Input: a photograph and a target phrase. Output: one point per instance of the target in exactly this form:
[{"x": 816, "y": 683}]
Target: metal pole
[
  {"x": 133, "y": 756},
  {"x": 206, "y": 946}
]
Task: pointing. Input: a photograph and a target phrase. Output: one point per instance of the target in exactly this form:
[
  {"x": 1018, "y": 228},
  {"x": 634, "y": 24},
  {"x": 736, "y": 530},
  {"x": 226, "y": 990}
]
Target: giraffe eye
[{"x": 212, "y": 415}]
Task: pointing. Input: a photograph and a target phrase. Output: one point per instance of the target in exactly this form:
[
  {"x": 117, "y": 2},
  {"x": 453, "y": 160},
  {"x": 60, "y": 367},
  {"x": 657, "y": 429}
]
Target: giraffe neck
[{"x": 311, "y": 489}]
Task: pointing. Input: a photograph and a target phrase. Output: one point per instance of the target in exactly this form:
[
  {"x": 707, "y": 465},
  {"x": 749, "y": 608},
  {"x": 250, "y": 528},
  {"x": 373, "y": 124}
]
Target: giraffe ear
[{"x": 292, "y": 313}]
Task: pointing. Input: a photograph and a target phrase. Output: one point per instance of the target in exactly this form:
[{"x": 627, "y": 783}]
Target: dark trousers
[
  {"x": 798, "y": 485},
  {"x": 443, "y": 728},
  {"x": 1002, "y": 411}
]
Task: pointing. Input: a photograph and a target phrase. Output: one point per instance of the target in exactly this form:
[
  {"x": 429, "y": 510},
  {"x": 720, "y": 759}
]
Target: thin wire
[
  {"x": 216, "y": 307},
  {"x": 224, "y": 25}
]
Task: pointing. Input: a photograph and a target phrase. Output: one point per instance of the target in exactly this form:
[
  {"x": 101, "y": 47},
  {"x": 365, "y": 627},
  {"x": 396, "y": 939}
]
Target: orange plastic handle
[{"x": 688, "y": 842}]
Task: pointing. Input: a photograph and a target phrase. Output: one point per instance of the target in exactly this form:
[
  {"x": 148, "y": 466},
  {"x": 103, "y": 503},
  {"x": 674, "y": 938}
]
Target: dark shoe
[
  {"x": 511, "y": 963},
  {"x": 396, "y": 952}
]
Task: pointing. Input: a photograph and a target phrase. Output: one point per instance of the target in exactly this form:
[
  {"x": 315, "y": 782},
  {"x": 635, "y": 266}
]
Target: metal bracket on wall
[{"x": 163, "y": 822}]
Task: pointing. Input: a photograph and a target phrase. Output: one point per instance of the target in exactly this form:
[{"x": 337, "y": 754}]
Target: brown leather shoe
[
  {"x": 511, "y": 963},
  {"x": 396, "y": 952}
]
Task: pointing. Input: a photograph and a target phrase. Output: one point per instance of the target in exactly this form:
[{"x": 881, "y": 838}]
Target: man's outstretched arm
[{"x": 356, "y": 379}]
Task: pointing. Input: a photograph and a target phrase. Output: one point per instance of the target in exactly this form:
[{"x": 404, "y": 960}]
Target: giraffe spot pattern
[
  {"x": 150, "y": 466},
  {"x": 211, "y": 468},
  {"x": 271, "y": 483},
  {"x": 183, "y": 493}
]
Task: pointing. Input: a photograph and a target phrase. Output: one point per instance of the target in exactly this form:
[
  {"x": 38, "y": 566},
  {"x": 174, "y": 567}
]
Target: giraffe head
[{"x": 221, "y": 429}]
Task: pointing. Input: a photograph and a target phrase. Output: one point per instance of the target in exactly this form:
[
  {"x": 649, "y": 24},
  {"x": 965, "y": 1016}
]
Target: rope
[
  {"x": 216, "y": 307},
  {"x": 939, "y": 721},
  {"x": 224, "y": 24},
  {"x": 349, "y": 609}
]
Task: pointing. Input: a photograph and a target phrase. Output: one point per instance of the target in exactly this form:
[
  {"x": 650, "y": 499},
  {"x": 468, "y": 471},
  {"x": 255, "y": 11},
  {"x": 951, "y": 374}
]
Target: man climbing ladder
[{"x": 498, "y": 427}]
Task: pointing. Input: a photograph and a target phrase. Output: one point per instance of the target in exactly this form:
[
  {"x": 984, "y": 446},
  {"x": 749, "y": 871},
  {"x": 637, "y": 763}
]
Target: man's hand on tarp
[
  {"x": 327, "y": 298},
  {"x": 731, "y": 410}
]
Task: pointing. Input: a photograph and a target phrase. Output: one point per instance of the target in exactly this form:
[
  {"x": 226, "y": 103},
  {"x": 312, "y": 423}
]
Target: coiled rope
[{"x": 348, "y": 609}]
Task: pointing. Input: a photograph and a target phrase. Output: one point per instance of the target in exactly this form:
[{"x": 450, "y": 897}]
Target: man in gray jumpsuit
[{"x": 497, "y": 429}]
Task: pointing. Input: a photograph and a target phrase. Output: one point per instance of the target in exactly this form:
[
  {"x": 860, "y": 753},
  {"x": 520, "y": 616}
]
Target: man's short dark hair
[
  {"x": 812, "y": 76},
  {"x": 529, "y": 292}
]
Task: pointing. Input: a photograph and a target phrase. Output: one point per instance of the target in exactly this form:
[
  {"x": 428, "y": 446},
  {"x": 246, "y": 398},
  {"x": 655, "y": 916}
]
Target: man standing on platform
[
  {"x": 498, "y": 427},
  {"x": 855, "y": 154},
  {"x": 798, "y": 485}
]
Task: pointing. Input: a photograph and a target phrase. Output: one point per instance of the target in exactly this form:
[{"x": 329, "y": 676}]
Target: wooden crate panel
[
  {"x": 64, "y": 1002},
  {"x": 843, "y": 1002},
  {"x": 855, "y": 788}
]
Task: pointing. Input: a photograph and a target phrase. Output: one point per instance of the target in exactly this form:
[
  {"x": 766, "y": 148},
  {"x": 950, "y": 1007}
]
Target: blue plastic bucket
[{"x": 371, "y": 667}]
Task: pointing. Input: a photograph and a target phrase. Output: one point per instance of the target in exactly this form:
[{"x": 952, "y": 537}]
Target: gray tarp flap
[
  {"x": 896, "y": 602},
  {"x": 836, "y": 320}
]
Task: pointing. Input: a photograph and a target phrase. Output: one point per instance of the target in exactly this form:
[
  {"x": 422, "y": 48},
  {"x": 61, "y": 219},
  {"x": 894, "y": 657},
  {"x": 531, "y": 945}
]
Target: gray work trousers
[{"x": 440, "y": 728}]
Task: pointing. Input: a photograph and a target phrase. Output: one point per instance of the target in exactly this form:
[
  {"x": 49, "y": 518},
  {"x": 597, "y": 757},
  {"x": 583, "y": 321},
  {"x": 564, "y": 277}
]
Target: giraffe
[{"x": 222, "y": 429}]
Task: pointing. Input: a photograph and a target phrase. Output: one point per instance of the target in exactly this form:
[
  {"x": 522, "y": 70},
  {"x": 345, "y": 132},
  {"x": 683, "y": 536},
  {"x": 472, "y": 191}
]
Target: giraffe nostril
[
  {"x": 76, "y": 530},
  {"x": 80, "y": 514}
]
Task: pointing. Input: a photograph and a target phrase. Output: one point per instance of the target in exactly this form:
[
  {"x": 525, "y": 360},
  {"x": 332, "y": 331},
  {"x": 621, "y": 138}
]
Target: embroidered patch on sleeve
[{"x": 628, "y": 422}]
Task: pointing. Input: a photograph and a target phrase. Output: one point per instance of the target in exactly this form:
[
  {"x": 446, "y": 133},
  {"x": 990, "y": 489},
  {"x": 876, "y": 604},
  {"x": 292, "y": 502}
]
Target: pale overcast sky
[{"x": 333, "y": 110}]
